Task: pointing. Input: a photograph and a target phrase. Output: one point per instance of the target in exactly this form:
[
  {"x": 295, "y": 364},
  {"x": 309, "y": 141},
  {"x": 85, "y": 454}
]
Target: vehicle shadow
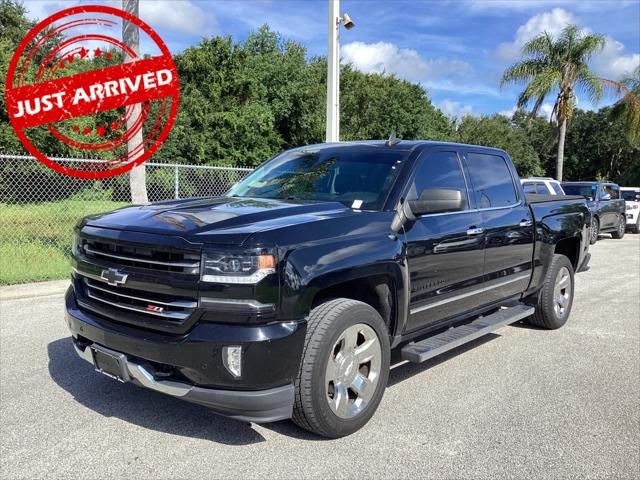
[{"x": 140, "y": 406}]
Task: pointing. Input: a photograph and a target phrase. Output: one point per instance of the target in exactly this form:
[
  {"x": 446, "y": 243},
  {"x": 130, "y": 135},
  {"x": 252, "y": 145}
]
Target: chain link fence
[{"x": 39, "y": 207}]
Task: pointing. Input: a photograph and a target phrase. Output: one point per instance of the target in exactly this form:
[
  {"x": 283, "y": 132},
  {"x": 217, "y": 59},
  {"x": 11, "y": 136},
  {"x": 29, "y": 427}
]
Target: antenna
[{"x": 393, "y": 140}]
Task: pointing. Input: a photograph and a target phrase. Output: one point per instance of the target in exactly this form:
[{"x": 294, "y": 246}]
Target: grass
[{"x": 35, "y": 240}]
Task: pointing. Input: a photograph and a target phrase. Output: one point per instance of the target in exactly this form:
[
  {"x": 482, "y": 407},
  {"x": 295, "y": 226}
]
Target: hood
[{"x": 224, "y": 220}]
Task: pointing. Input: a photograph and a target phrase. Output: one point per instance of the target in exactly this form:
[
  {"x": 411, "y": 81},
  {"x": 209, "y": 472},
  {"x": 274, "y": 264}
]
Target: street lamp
[{"x": 333, "y": 69}]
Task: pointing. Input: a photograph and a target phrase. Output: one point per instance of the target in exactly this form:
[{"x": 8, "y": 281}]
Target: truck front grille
[
  {"x": 141, "y": 256},
  {"x": 145, "y": 303}
]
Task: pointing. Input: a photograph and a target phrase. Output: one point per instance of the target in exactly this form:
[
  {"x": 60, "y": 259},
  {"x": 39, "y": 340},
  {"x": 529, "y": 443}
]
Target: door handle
[
  {"x": 475, "y": 231},
  {"x": 526, "y": 223}
]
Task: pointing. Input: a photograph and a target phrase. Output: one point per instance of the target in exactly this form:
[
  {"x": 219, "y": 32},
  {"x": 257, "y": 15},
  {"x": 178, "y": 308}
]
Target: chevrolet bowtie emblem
[{"x": 113, "y": 277}]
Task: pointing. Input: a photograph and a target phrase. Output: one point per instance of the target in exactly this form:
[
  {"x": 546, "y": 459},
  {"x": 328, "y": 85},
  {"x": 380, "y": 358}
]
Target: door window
[
  {"x": 439, "y": 170},
  {"x": 612, "y": 190},
  {"x": 492, "y": 181},
  {"x": 542, "y": 188},
  {"x": 529, "y": 187}
]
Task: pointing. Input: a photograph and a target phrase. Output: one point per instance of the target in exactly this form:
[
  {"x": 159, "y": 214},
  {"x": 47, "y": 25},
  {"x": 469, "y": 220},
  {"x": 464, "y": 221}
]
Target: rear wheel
[
  {"x": 622, "y": 226},
  {"x": 636, "y": 227},
  {"x": 344, "y": 368},
  {"x": 594, "y": 231},
  {"x": 556, "y": 298}
]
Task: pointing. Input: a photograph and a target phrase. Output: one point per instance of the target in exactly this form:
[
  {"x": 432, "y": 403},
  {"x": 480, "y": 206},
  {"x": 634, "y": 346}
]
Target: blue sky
[{"x": 456, "y": 49}]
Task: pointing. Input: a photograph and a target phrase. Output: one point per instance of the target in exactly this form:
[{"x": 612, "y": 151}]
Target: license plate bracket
[{"x": 110, "y": 363}]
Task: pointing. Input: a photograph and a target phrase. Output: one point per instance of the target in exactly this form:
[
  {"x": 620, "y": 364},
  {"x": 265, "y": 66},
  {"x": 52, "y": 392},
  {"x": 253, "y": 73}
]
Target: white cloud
[
  {"x": 546, "y": 109},
  {"x": 552, "y": 22},
  {"x": 508, "y": 113},
  {"x": 182, "y": 16},
  {"x": 406, "y": 63},
  {"x": 455, "y": 110},
  {"x": 613, "y": 61}
]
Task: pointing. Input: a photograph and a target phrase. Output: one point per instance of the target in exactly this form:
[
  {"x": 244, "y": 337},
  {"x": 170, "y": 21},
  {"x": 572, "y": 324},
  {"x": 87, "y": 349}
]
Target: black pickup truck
[
  {"x": 606, "y": 204},
  {"x": 285, "y": 298}
]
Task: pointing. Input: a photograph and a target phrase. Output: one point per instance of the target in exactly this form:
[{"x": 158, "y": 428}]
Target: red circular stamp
[{"x": 71, "y": 81}]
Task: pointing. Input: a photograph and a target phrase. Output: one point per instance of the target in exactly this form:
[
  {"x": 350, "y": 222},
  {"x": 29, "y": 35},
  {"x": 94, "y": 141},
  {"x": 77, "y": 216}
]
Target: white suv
[
  {"x": 631, "y": 197},
  {"x": 543, "y": 185}
]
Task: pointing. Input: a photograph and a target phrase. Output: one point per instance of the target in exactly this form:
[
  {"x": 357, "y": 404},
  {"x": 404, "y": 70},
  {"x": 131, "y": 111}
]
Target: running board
[{"x": 424, "y": 350}]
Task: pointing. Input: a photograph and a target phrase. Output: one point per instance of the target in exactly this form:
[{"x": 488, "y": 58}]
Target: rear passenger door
[{"x": 507, "y": 223}]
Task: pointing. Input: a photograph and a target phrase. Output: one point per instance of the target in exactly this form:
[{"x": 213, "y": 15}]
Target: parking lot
[{"x": 520, "y": 404}]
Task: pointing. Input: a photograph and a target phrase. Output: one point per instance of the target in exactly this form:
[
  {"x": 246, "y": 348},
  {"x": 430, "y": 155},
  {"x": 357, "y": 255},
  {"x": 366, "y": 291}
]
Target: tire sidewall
[
  {"x": 593, "y": 238},
  {"x": 332, "y": 424},
  {"x": 549, "y": 300}
]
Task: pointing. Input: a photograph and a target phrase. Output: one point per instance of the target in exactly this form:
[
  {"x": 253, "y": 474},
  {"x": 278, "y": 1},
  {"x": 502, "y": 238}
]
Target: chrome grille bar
[
  {"x": 171, "y": 315},
  {"x": 175, "y": 303}
]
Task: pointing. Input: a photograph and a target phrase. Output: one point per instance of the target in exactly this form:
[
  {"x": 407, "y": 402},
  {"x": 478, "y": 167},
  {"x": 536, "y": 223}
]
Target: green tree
[
  {"x": 557, "y": 65},
  {"x": 628, "y": 108},
  {"x": 498, "y": 131}
]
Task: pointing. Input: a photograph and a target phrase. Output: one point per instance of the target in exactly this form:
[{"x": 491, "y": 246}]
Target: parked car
[
  {"x": 542, "y": 185},
  {"x": 631, "y": 196},
  {"x": 606, "y": 205},
  {"x": 284, "y": 298}
]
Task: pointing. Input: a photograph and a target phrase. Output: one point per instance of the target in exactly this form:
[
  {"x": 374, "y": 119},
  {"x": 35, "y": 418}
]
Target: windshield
[
  {"x": 631, "y": 196},
  {"x": 358, "y": 178},
  {"x": 586, "y": 191}
]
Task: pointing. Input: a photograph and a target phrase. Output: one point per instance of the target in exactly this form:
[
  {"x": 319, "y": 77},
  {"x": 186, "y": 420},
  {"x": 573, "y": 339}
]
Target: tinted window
[
  {"x": 586, "y": 191},
  {"x": 491, "y": 180},
  {"x": 631, "y": 196},
  {"x": 439, "y": 170},
  {"x": 542, "y": 189},
  {"x": 556, "y": 188},
  {"x": 357, "y": 177},
  {"x": 612, "y": 190},
  {"x": 529, "y": 187}
]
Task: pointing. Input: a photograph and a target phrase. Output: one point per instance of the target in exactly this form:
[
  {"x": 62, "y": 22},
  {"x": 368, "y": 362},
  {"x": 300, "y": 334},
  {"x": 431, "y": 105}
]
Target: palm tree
[
  {"x": 557, "y": 64},
  {"x": 628, "y": 108}
]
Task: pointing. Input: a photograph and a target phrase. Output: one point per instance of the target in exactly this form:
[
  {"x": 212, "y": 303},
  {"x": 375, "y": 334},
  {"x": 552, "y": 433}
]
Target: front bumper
[
  {"x": 258, "y": 406},
  {"x": 190, "y": 366}
]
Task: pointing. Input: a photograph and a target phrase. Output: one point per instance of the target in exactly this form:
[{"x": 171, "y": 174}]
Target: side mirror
[
  {"x": 438, "y": 200},
  {"x": 432, "y": 200}
]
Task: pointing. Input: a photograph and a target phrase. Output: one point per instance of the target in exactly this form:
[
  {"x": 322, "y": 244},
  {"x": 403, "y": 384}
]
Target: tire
[
  {"x": 636, "y": 228},
  {"x": 622, "y": 227},
  {"x": 594, "y": 231},
  {"x": 554, "y": 304},
  {"x": 321, "y": 405}
]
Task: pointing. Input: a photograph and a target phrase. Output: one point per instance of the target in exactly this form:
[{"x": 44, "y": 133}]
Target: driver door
[{"x": 445, "y": 251}]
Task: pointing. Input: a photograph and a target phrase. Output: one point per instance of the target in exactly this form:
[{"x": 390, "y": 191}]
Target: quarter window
[{"x": 492, "y": 181}]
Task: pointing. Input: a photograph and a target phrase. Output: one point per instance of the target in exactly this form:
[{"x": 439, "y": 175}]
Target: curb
[{"x": 31, "y": 290}]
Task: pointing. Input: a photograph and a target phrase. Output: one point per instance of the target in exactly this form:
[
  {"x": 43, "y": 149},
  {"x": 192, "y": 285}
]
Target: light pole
[{"x": 333, "y": 69}]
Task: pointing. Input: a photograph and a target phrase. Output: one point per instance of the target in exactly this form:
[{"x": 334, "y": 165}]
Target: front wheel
[
  {"x": 556, "y": 297},
  {"x": 594, "y": 230},
  {"x": 344, "y": 368},
  {"x": 636, "y": 227},
  {"x": 622, "y": 226}
]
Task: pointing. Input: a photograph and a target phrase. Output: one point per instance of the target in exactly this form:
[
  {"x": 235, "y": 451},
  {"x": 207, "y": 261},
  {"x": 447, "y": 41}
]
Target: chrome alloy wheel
[
  {"x": 562, "y": 292},
  {"x": 353, "y": 370}
]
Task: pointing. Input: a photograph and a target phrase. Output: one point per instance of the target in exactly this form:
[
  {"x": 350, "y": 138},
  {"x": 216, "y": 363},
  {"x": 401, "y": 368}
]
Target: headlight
[{"x": 236, "y": 268}]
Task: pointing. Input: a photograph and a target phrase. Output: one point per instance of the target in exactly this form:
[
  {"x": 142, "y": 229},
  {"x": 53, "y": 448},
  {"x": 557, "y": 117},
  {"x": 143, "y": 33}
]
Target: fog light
[{"x": 232, "y": 359}]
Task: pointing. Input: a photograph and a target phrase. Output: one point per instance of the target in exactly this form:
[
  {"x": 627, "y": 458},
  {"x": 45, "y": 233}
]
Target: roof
[
  {"x": 401, "y": 145},
  {"x": 588, "y": 182}
]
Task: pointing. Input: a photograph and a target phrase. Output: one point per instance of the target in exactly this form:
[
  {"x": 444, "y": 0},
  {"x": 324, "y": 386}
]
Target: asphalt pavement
[{"x": 523, "y": 403}]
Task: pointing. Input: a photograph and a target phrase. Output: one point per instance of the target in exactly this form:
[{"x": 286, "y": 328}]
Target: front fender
[{"x": 313, "y": 268}]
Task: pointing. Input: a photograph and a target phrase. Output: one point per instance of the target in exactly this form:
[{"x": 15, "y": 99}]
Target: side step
[{"x": 424, "y": 350}]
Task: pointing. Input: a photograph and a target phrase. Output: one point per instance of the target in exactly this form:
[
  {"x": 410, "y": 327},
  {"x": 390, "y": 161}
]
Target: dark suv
[{"x": 606, "y": 204}]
